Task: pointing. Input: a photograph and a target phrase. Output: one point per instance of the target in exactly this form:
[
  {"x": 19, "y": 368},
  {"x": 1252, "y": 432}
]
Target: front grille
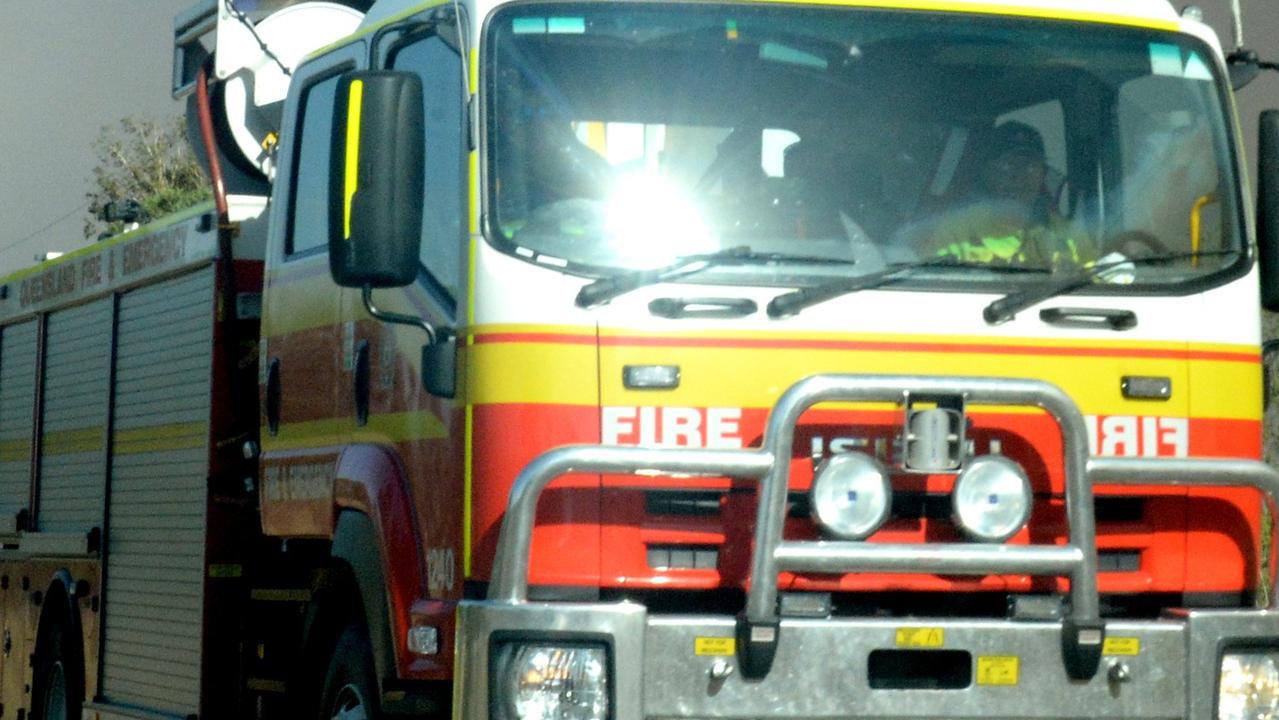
[
  {"x": 683, "y": 557},
  {"x": 1118, "y": 561},
  {"x": 683, "y": 503},
  {"x": 1119, "y": 509},
  {"x": 906, "y": 505}
]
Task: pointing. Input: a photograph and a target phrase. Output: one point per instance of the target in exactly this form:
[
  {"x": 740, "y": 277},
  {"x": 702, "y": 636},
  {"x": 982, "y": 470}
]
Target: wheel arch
[
  {"x": 356, "y": 548},
  {"x": 61, "y": 604},
  {"x": 374, "y": 512}
]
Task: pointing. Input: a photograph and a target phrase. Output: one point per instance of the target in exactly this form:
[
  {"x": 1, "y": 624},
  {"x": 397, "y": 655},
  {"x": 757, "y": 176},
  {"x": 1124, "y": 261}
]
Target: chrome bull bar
[{"x": 759, "y": 624}]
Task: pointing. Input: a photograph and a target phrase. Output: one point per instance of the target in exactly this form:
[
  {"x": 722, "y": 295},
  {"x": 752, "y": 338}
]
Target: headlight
[
  {"x": 553, "y": 682},
  {"x": 851, "y": 495},
  {"x": 1248, "y": 686},
  {"x": 991, "y": 498}
]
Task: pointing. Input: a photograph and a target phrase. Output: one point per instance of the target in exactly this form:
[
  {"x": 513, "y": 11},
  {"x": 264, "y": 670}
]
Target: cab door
[
  {"x": 306, "y": 337},
  {"x": 392, "y": 408}
]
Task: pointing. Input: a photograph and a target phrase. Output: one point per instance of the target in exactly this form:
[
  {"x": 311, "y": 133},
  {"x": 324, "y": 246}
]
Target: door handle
[
  {"x": 360, "y": 384},
  {"x": 273, "y": 398},
  {"x": 702, "y": 307},
  {"x": 1112, "y": 318}
]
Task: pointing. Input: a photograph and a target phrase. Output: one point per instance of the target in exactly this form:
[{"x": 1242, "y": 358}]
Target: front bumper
[
  {"x": 759, "y": 665},
  {"x": 821, "y": 669}
]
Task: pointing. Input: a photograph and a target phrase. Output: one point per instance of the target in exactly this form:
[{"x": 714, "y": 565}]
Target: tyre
[
  {"x": 350, "y": 690},
  {"x": 57, "y": 690}
]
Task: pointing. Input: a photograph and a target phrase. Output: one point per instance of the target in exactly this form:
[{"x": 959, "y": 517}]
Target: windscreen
[{"x": 624, "y": 136}]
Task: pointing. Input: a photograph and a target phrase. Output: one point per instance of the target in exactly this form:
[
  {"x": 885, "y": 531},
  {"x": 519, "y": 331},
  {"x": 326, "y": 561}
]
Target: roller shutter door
[
  {"x": 17, "y": 413},
  {"x": 73, "y": 460},
  {"x": 155, "y": 561}
]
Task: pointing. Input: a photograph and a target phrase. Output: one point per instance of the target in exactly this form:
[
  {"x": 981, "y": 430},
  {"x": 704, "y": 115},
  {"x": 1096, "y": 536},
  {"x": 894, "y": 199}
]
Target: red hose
[
  {"x": 210, "y": 145},
  {"x": 241, "y": 401}
]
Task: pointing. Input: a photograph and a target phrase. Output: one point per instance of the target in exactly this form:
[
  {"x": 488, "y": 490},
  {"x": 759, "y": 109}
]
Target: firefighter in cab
[{"x": 1010, "y": 218}]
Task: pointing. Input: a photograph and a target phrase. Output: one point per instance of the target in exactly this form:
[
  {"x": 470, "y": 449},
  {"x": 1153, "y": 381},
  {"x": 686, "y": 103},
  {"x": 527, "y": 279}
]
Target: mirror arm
[
  {"x": 432, "y": 337},
  {"x": 1247, "y": 56}
]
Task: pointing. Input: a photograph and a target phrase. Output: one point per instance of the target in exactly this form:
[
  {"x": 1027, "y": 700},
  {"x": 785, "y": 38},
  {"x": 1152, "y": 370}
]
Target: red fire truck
[{"x": 574, "y": 360}]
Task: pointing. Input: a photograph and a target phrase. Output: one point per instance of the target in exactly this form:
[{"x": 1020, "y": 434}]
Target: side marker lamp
[
  {"x": 991, "y": 498},
  {"x": 424, "y": 640},
  {"x": 650, "y": 377},
  {"x": 542, "y": 681},
  {"x": 851, "y": 496},
  {"x": 1248, "y": 686}
]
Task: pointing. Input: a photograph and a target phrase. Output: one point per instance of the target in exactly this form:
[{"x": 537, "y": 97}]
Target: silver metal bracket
[
  {"x": 395, "y": 318},
  {"x": 934, "y": 435},
  {"x": 439, "y": 354}
]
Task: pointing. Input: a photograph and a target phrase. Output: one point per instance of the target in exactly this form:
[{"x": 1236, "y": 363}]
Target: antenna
[
  {"x": 1243, "y": 64},
  {"x": 1236, "y": 15}
]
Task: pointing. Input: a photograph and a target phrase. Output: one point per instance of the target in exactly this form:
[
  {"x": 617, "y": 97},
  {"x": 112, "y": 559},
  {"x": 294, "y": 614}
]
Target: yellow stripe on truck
[
  {"x": 756, "y": 378},
  {"x": 354, "y": 105},
  {"x": 70, "y": 442},
  {"x": 15, "y": 450},
  {"x": 743, "y": 371},
  {"x": 1224, "y": 390},
  {"x": 532, "y": 372},
  {"x": 412, "y": 426},
  {"x": 995, "y": 8},
  {"x": 186, "y": 436}
]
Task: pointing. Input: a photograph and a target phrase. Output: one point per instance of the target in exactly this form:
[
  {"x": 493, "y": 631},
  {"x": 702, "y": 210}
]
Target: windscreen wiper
[
  {"x": 1007, "y": 307},
  {"x": 792, "y": 302},
  {"x": 605, "y": 289}
]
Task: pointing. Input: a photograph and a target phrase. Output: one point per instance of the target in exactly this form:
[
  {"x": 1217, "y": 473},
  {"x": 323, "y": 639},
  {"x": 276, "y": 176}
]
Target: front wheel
[
  {"x": 57, "y": 680},
  {"x": 350, "y": 690}
]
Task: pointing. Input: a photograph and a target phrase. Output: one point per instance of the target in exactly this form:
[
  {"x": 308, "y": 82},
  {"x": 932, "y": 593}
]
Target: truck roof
[{"x": 1152, "y": 13}]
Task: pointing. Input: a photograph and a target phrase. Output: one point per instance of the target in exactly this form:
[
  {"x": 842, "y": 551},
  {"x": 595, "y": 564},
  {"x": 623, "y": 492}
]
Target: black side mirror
[
  {"x": 1244, "y": 66},
  {"x": 1268, "y": 208},
  {"x": 375, "y": 179},
  {"x": 439, "y": 366}
]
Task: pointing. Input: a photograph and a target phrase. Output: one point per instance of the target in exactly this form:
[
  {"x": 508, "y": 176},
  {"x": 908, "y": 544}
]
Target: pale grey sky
[{"x": 68, "y": 67}]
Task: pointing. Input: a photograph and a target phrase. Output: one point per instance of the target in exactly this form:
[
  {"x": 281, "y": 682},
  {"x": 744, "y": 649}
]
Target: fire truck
[{"x": 575, "y": 360}]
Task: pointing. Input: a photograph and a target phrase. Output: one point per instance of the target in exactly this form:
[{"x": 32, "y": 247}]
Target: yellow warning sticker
[
  {"x": 921, "y": 637},
  {"x": 998, "y": 669},
  {"x": 1121, "y": 646},
  {"x": 715, "y": 646},
  {"x": 225, "y": 571}
]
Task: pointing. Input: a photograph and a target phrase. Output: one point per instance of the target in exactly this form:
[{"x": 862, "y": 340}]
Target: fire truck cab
[{"x": 607, "y": 361}]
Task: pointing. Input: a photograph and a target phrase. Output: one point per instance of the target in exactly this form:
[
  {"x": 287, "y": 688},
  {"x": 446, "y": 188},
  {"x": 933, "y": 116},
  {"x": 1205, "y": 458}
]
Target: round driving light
[
  {"x": 552, "y": 682},
  {"x": 851, "y": 496},
  {"x": 991, "y": 498},
  {"x": 1248, "y": 686}
]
